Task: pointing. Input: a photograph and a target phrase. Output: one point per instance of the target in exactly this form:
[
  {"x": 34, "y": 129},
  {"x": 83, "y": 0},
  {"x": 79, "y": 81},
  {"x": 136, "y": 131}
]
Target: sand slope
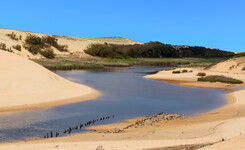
[
  {"x": 25, "y": 83},
  {"x": 76, "y": 45},
  {"x": 235, "y": 65}
]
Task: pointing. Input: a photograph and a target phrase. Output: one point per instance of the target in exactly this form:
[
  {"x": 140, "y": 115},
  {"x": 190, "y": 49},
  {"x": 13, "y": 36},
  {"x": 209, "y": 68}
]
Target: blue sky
[{"x": 210, "y": 23}]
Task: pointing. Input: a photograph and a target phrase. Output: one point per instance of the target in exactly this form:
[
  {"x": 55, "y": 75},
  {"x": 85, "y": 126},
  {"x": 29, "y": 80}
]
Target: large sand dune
[
  {"x": 76, "y": 45},
  {"x": 25, "y": 84}
]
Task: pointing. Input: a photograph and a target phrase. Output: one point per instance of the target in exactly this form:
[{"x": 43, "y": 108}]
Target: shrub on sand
[
  {"x": 47, "y": 53},
  {"x": 184, "y": 71},
  {"x": 219, "y": 78},
  {"x": 17, "y": 47},
  {"x": 202, "y": 74},
  {"x": 176, "y": 72}
]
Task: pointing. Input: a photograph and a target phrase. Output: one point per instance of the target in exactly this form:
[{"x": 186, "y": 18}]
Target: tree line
[{"x": 154, "y": 50}]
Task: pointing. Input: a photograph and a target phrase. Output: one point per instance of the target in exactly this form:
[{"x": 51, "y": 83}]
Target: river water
[{"x": 124, "y": 94}]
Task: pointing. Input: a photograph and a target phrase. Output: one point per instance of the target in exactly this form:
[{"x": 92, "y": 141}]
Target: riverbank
[
  {"x": 219, "y": 125},
  {"x": 96, "y": 63},
  {"x": 27, "y": 85}
]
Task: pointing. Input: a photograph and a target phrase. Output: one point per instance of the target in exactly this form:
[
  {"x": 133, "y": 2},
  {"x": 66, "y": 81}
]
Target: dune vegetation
[
  {"x": 154, "y": 50},
  {"x": 220, "y": 78},
  {"x": 71, "y": 63}
]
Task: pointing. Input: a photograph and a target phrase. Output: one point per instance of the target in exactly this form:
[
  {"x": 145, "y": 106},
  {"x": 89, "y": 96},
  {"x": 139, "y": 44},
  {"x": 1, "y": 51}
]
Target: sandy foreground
[
  {"x": 223, "y": 127},
  {"x": 26, "y": 85}
]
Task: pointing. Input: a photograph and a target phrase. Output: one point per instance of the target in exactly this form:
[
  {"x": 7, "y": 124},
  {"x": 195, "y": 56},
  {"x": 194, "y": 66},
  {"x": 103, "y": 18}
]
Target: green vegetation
[
  {"x": 202, "y": 74},
  {"x": 13, "y": 36},
  {"x": 184, "y": 71},
  {"x": 218, "y": 78},
  {"x": 180, "y": 71},
  {"x": 176, "y": 72},
  {"x": 17, "y": 47},
  {"x": 3, "y": 46},
  {"x": 154, "y": 50},
  {"x": 47, "y": 53},
  {"x": 169, "y": 69},
  {"x": 42, "y": 45},
  {"x": 242, "y": 54},
  {"x": 69, "y": 63},
  {"x": 34, "y": 40},
  {"x": 52, "y": 41},
  {"x": 34, "y": 49}
]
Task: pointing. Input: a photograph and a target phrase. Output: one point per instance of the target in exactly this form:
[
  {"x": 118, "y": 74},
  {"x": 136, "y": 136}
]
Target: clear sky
[{"x": 210, "y": 23}]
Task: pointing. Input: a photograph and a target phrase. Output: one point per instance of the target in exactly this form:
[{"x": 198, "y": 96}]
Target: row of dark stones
[
  {"x": 149, "y": 120},
  {"x": 52, "y": 134}
]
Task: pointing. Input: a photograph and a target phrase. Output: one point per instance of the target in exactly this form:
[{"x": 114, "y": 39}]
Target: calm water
[{"x": 124, "y": 93}]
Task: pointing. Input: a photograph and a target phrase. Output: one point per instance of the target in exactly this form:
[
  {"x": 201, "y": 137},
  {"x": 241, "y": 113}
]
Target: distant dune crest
[{"x": 76, "y": 45}]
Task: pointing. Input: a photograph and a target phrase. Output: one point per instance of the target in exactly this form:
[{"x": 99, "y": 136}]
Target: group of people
[{"x": 80, "y": 126}]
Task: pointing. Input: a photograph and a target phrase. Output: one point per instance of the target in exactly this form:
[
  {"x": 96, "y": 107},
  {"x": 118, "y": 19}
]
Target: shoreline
[
  {"x": 229, "y": 98},
  {"x": 225, "y": 122},
  {"x": 90, "y": 96}
]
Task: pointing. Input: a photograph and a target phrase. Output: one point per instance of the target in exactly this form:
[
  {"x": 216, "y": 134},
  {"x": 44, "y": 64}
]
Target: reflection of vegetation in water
[{"x": 69, "y": 63}]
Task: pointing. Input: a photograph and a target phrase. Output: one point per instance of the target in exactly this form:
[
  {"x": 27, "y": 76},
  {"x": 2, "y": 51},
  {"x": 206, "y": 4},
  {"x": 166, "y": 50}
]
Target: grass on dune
[{"x": 219, "y": 78}]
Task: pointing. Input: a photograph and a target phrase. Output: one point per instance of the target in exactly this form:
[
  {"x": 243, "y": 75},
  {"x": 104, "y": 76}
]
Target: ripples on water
[{"x": 124, "y": 93}]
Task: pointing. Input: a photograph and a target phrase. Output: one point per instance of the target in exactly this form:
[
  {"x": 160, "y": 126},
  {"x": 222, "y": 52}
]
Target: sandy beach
[
  {"x": 27, "y": 85},
  {"x": 122, "y": 75},
  {"x": 223, "y": 127}
]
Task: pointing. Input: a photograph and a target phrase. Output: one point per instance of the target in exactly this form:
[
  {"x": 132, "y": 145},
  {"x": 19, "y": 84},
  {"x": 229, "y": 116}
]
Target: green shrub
[
  {"x": 176, "y": 72},
  {"x": 201, "y": 74},
  {"x": 153, "y": 50},
  {"x": 105, "y": 50},
  {"x": 34, "y": 49},
  {"x": 184, "y": 71},
  {"x": 242, "y": 54},
  {"x": 3, "y": 46},
  {"x": 34, "y": 40},
  {"x": 34, "y": 44},
  {"x": 52, "y": 41},
  {"x": 218, "y": 78},
  {"x": 62, "y": 48},
  {"x": 13, "y": 36},
  {"x": 47, "y": 53},
  {"x": 169, "y": 69},
  {"x": 17, "y": 47},
  {"x": 10, "y": 50}
]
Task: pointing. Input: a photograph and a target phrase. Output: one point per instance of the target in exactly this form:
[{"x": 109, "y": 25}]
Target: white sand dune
[{"x": 25, "y": 84}]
